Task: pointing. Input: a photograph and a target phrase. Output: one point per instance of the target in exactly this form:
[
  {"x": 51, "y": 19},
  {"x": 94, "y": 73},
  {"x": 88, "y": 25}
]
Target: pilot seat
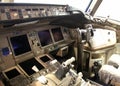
[{"x": 110, "y": 72}]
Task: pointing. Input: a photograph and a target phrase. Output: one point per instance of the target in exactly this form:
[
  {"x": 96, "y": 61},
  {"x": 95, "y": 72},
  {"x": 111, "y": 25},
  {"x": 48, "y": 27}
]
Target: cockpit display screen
[
  {"x": 45, "y": 58},
  {"x": 20, "y": 44},
  {"x": 12, "y": 73},
  {"x": 57, "y": 34},
  {"x": 45, "y": 37},
  {"x": 28, "y": 65}
]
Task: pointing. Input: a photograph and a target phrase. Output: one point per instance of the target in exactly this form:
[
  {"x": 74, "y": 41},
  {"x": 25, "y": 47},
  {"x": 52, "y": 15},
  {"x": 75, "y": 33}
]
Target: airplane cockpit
[{"x": 56, "y": 45}]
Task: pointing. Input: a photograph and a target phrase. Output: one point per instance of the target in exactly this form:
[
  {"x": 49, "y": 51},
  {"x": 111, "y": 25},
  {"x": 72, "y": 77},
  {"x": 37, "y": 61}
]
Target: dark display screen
[
  {"x": 45, "y": 37},
  {"x": 12, "y": 73},
  {"x": 20, "y": 44},
  {"x": 28, "y": 64},
  {"x": 45, "y": 58},
  {"x": 57, "y": 34}
]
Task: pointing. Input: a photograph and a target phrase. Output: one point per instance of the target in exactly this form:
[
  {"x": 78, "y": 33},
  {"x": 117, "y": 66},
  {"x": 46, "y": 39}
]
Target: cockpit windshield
[{"x": 109, "y": 9}]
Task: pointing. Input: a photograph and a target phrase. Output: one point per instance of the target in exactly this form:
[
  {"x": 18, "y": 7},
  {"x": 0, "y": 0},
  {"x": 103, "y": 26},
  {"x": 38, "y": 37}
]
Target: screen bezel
[
  {"x": 26, "y": 53},
  {"x": 15, "y": 67},
  {"x": 33, "y": 73},
  {"x": 50, "y": 36},
  {"x": 53, "y": 35},
  {"x": 43, "y": 56}
]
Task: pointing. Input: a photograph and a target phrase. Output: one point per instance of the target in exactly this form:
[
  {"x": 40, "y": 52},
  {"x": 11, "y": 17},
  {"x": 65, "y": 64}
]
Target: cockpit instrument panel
[{"x": 20, "y": 45}]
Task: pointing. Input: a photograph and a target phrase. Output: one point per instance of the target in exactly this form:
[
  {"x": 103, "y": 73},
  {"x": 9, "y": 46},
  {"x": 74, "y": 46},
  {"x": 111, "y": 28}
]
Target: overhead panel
[{"x": 23, "y": 12}]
